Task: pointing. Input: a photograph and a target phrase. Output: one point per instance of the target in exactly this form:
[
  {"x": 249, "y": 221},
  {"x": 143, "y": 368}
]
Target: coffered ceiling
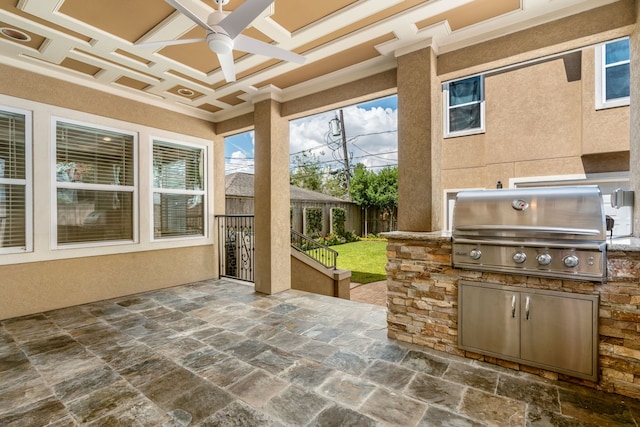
[{"x": 94, "y": 43}]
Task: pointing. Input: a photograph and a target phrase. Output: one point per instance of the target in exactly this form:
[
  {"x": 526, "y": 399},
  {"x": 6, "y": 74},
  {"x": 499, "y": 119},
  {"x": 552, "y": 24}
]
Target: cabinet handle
[
  {"x": 526, "y": 308},
  {"x": 513, "y": 306}
]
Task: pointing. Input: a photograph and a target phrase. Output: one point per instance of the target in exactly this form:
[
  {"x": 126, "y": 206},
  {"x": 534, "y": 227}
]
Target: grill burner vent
[{"x": 553, "y": 232}]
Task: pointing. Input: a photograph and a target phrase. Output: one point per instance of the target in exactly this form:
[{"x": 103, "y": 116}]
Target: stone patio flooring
[{"x": 215, "y": 353}]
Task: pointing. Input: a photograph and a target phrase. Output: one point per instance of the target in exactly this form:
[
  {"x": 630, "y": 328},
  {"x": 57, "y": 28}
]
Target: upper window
[
  {"x": 178, "y": 190},
  {"x": 464, "y": 106},
  {"x": 95, "y": 184},
  {"x": 15, "y": 181},
  {"x": 613, "y": 74}
]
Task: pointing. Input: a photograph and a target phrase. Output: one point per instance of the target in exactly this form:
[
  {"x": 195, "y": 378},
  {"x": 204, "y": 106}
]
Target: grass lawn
[{"x": 366, "y": 260}]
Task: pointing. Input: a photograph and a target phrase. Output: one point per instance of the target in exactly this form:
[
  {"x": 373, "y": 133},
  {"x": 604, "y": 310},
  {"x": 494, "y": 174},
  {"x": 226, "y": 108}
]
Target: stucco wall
[
  {"x": 603, "y": 131},
  {"x": 309, "y": 277},
  {"x": 48, "y": 278},
  {"x": 538, "y": 122},
  {"x": 41, "y": 286}
]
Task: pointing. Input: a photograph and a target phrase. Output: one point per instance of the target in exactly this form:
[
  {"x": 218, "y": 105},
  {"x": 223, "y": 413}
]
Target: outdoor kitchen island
[{"x": 422, "y": 302}]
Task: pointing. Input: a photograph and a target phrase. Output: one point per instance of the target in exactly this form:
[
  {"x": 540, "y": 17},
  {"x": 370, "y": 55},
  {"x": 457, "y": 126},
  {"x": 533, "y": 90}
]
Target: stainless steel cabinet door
[
  {"x": 489, "y": 320},
  {"x": 559, "y": 332}
]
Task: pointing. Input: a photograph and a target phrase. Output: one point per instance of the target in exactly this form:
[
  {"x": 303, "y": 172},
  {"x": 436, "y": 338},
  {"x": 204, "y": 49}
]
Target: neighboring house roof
[{"x": 241, "y": 184}]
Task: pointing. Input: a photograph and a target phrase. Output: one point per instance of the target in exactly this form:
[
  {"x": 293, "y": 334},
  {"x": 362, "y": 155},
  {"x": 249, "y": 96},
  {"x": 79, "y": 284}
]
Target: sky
[{"x": 371, "y": 131}]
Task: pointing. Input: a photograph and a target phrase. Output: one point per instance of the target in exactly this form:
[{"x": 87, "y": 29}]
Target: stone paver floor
[{"x": 216, "y": 353}]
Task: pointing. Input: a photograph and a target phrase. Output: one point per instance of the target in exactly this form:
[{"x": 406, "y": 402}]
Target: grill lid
[
  {"x": 553, "y": 213},
  {"x": 553, "y": 232}
]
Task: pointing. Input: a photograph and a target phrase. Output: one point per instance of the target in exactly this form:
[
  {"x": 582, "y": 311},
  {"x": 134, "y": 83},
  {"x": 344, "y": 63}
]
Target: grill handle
[
  {"x": 530, "y": 229},
  {"x": 541, "y": 243}
]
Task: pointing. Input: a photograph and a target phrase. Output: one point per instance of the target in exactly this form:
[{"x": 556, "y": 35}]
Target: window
[
  {"x": 464, "y": 106},
  {"x": 178, "y": 190},
  {"x": 613, "y": 74},
  {"x": 95, "y": 184},
  {"x": 15, "y": 181}
]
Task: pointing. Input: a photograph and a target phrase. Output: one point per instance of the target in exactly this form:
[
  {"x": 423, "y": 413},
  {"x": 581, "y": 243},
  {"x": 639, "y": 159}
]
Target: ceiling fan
[{"x": 223, "y": 34}]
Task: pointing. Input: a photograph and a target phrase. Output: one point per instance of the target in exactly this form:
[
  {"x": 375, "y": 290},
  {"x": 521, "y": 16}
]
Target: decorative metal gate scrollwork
[{"x": 236, "y": 246}]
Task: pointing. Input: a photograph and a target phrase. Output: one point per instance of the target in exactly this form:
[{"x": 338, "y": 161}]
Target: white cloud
[
  {"x": 239, "y": 163},
  {"x": 371, "y": 137}
]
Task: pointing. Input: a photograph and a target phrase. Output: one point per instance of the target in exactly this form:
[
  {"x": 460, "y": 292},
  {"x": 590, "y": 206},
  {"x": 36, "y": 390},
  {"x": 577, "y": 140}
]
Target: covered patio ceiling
[{"x": 94, "y": 43}]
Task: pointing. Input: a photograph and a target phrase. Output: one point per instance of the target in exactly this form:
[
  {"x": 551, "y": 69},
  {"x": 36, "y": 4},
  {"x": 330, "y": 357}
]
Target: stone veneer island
[{"x": 422, "y": 301}]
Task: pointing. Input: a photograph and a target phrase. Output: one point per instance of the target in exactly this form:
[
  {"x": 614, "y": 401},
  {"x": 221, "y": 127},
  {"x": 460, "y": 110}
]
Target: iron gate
[{"x": 236, "y": 239}]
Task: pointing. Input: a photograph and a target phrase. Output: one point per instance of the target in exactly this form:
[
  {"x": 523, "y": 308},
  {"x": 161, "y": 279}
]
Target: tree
[
  {"x": 307, "y": 172},
  {"x": 378, "y": 190},
  {"x": 335, "y": 184}
]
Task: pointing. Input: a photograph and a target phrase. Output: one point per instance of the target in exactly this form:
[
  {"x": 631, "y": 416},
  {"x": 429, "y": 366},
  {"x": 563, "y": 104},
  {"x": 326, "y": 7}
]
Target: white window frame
[
  {"x": 204, "y": 192},
  {"x": 27, "y": 182},
  {"x": 55, "y": 185},
  {"x": 447, "y": 108},
  {"x": 601, "y": 80}
]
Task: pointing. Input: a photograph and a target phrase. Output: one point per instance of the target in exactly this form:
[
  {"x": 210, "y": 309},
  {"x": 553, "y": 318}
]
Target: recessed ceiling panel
[
  {"x": 132, "y": 83},
  {"x": 232, "y": 99},
  {"x": 346, "y": 58},
  {"x": 81, "y": 67},
  {"x": 210, "y": 108},
  {"x": 127, "y": 19},
  {"x": 472, "y": 13},
  {"x": 296, "y": 14}
]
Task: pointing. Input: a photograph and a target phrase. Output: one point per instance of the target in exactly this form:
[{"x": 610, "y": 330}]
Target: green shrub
[
  {"x": 314, "y": 222},
  {"x": 339, "y": 218},
  {"x": 330, "y": 240},
  {"x": 335, "y": 239}
]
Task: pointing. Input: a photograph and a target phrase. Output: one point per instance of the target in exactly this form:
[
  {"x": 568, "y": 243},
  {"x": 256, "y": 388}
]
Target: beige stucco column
[
  {"x": 217, "y": 182},
  {"x": 419, "y": 193},
  {"x": 634, "y": 140},
  {"x": 272, "y": 234}
]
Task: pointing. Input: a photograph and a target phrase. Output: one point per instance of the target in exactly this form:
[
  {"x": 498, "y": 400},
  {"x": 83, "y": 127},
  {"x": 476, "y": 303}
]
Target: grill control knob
[
  {"x": 570, "y": 261},
  {"x": 519, "y": 257},
  {"x": 475, "y": 254},
  {"x": 544, "y": 259}
]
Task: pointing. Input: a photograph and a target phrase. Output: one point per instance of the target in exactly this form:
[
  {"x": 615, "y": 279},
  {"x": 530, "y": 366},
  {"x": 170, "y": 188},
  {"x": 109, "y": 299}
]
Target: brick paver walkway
[{"x": 371, "y": 293}]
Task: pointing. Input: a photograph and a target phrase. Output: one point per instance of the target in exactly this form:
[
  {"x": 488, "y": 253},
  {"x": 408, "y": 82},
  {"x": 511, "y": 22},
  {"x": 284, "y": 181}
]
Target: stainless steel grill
[{"x": 554, "y": 232}]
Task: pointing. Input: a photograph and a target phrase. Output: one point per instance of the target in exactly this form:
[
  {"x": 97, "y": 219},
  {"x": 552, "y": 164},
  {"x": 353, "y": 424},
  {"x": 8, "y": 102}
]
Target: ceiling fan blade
[
  {"x": 228, "y": 68},
  {"x": 258, "y": 47},
  {"x": 168, "y": 43},
  {"x": 195, "y": 18},
  {"x": 242, "y": 16}
]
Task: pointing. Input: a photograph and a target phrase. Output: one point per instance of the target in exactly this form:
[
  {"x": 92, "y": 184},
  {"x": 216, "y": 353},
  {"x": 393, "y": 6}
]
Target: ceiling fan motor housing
[{"x": 220, "y": 43}]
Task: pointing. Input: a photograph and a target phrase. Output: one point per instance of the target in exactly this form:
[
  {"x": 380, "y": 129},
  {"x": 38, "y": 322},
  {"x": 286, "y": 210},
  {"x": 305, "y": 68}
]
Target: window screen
[
  {"x": 13, "y": 181},
  {"x": 95, "y": 184},
  {"x": 178, "y": 190}
]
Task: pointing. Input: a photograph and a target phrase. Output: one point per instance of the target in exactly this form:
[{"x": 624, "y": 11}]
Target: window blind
[
  {"x": 95, "y": 184},
  {"x": 13, "y": 180},
  {"x": 179, "y": 196}
]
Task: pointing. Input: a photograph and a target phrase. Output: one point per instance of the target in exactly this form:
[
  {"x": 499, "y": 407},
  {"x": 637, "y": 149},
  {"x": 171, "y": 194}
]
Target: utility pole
[{"x": 346, "y": 156}]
